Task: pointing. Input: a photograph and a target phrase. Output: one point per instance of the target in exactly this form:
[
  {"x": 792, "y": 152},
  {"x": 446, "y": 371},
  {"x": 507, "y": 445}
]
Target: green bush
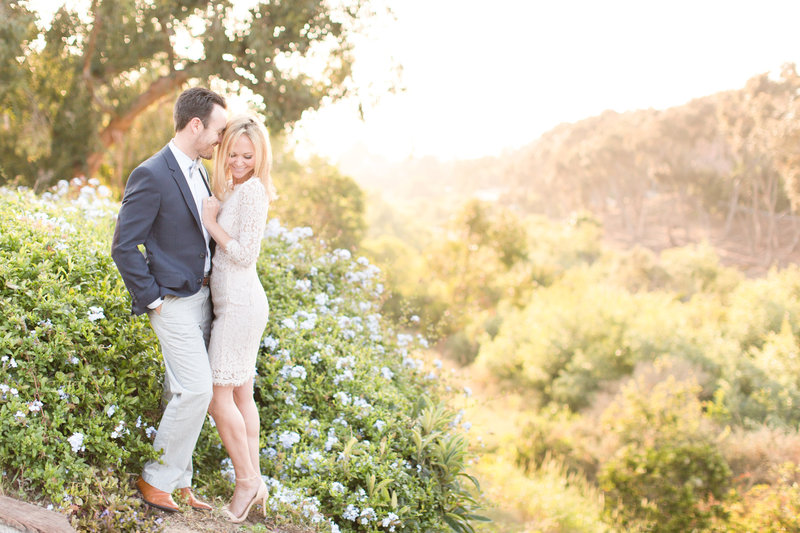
[
  {"x": 580, "y": 333},
  {"x": 355, "y": 436},
  {"x": 557, "y": 435},
  {"x": 767, "y": 508},
  {"x": 760, "y": 306},
  {"x": 668, "y": 474}
]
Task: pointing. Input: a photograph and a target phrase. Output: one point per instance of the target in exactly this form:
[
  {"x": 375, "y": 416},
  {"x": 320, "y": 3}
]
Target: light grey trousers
[{"x": 183, "y": 329}]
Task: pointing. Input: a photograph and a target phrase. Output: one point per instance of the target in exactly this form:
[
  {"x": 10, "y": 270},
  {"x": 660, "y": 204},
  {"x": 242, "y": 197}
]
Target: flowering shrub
[{"x": 355, "y": 434}]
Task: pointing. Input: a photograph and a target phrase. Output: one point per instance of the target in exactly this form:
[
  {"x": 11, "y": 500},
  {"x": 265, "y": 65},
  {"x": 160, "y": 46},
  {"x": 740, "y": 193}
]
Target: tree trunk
[
  {"x": 771, "y": 198},
  {"x": 732, "y": 208},
  {"x": 755, "y": 220}
]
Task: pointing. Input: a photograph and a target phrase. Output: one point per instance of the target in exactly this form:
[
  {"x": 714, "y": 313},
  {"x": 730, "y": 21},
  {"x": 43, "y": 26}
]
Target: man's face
[{"x": 211, "y": 136}]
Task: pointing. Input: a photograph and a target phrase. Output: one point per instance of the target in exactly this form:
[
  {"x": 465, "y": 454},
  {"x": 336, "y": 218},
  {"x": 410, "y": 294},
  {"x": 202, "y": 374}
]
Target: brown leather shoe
[
  {"x": 194, "y": 503},
  {"x": 156, "y": 498}
]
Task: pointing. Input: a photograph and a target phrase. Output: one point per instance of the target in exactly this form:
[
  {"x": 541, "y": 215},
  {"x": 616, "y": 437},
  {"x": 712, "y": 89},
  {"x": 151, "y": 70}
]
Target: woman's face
[{"x": 242, "y": 158}]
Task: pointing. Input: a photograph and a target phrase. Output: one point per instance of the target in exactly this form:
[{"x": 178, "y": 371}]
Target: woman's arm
[
  {"x": 210, "y": 212},
  {"x": 251, "y": 216}
]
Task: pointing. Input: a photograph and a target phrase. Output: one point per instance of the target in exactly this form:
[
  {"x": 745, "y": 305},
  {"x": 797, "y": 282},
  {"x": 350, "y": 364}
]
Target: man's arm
[{"x": 139, "y": 209}]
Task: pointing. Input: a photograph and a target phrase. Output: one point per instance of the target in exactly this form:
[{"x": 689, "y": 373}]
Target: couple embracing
[{"x": 201, "y": 244}]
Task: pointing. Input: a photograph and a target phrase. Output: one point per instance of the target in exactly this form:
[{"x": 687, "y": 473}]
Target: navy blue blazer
[{"x": 158, "y": 211}]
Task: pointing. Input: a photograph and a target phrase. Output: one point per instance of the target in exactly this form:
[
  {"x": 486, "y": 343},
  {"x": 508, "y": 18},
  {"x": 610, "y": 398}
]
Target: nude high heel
[{"x": 260, "y": 496}]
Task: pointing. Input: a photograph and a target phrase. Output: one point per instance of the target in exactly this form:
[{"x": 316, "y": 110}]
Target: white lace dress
[{"x": 240, "y": 305}]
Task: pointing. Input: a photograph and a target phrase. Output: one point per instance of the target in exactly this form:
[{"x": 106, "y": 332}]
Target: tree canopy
[{"x": 73, "y": 88}]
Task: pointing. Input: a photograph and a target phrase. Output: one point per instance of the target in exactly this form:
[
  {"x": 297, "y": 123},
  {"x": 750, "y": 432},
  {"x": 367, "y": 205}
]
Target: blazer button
[
  {"x": 202, "y": 255},
  {"x": 200, "y": 280}
]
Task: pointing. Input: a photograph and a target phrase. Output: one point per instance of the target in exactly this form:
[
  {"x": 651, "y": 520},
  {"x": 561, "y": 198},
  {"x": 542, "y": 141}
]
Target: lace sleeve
[{"x": 251, "y": 212}]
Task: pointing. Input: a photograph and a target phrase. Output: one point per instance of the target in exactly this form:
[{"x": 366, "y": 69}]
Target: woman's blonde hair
[{"x": 257, "y": 133}]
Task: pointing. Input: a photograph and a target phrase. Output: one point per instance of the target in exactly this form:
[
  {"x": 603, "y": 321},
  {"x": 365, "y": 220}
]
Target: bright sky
[{"x": 482, "y": 76}]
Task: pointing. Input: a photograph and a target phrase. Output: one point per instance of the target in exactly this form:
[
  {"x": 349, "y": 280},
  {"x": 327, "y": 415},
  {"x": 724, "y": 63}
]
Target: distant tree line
[{"x": 732, "y": 155}]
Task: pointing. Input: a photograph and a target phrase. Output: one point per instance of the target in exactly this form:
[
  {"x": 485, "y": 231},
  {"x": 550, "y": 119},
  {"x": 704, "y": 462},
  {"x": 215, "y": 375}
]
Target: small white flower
[
  {"x": 302, "y": 285},
  {"x": 288, "y": 323},
  {"x": 293, "y": 372},
  {"x": 111, "y": 410},
  {"x": 96, "y": 313},
  {"x": 467, "y": 392},
  {"x": 404, "y": 339},
  {"x": 379, "y": 425},
  {"x": 342, "y": 397},
  {"x": 386, "y": 372},
  {"x": 269, "y": 453},
  {"x": 437, "y": 363},
  {"x": 118, "y": 430},
  {"x": 269, "y": 343},
  {"x": 341, "y": 253},
  {"x": 351, "y": 513},
  {"x": 414, "y": 319},
  {"x": 332, "y": 440},
  {"x": 367, "y": 515},
  {"x": 19, "y": 415},
  {"x": 150, "y": 432},
  {"x": 390, "y": 520},
  {"x": 347, "y": 375},
  {"x": 362, "y": 403},
  {"x": 74, "y": 360},
  {"x": 337, "y": 488},
  {"x": 12, "y": 363},
  {"x": 289, "y": 439},
  {"x": 34, "y": 406},
  {"x": 76, "y": 441}
]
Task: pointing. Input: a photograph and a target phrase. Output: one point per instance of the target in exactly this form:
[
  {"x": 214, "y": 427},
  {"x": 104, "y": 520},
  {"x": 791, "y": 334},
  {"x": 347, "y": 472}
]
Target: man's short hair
[{"x": 195, "y": 102}]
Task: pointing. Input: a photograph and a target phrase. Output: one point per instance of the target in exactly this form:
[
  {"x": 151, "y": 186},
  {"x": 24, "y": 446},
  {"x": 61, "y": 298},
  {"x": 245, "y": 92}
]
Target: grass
[{"x": 548, "y": 500}]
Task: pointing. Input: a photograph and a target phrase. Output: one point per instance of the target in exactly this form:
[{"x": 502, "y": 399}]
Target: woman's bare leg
[
  {"x": 233, "y": 432},
  {"x": 243, "y": 398}
]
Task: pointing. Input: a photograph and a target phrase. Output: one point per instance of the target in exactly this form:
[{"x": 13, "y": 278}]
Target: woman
[{"x": 243, "y": 186}]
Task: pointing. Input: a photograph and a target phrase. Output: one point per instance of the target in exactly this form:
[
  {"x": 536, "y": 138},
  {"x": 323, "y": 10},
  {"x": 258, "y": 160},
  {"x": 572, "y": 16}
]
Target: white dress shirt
[{"x": 197, "y": 185}]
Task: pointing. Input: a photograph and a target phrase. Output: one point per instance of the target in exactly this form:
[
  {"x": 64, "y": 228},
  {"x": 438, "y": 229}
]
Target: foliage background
[{"x": 355, "y": 434}]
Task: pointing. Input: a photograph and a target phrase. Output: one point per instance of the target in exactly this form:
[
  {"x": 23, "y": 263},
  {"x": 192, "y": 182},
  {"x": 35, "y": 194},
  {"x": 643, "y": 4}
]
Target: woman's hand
[{"x": 210, "y": 210}]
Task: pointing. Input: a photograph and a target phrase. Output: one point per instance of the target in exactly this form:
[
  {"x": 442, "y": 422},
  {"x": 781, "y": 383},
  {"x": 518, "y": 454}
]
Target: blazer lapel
[{"x": 180, "y": 180}]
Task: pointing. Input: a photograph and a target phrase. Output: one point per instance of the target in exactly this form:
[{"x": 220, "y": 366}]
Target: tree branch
[
  {"x": 122, "y": 122},
  {"x": 91, "y": 45}
]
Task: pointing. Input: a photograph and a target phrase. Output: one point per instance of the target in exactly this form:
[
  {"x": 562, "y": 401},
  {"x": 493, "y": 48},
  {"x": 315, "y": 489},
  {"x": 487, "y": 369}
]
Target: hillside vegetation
[
  {"x": 355, "y": 432},
  {"x": 721, "y": 168},
  {"x": 657, "y": 379}
]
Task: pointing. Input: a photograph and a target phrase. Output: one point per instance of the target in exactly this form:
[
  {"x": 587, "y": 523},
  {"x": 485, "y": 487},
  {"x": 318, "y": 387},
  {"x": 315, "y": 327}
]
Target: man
[{"x": 161, "y": 209}]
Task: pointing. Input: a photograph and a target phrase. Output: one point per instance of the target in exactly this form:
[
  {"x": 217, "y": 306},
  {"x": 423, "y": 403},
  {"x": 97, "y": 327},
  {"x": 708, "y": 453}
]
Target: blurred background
[{"x": 590, "y": 208}]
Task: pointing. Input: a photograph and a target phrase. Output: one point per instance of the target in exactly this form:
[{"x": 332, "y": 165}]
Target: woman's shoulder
[{"x": 253, "y": 188}]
